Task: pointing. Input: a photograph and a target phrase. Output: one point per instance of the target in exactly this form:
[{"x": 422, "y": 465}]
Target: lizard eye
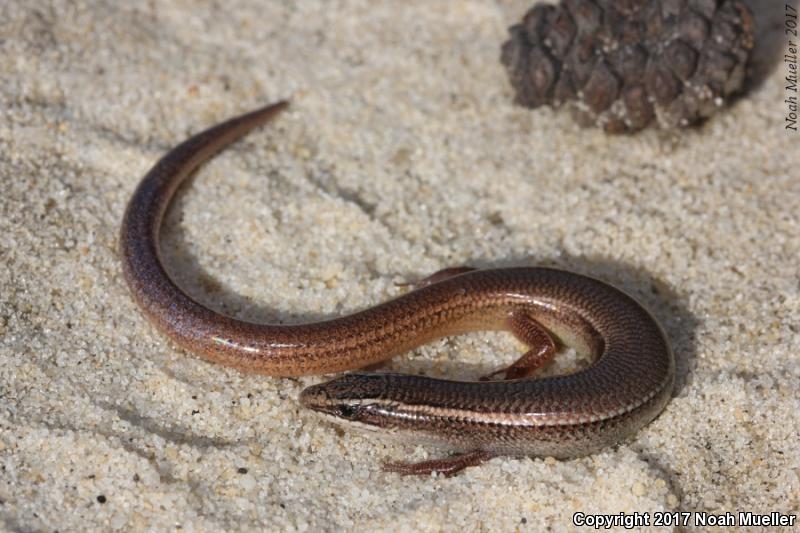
[{"x": 345, "y": 411}]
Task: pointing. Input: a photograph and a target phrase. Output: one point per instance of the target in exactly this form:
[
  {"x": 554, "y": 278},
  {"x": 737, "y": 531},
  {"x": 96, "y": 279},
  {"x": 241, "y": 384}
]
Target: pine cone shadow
[{"x": 768, "y": 17}]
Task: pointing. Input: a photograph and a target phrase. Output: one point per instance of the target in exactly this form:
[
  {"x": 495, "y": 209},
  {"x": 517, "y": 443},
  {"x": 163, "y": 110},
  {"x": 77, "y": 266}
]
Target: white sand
[{"x": 401, "y": 154}]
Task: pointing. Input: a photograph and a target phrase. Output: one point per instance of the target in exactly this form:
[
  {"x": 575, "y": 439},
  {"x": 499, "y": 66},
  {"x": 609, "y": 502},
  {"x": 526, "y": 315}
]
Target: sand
[{"x": 401, "y": 154}]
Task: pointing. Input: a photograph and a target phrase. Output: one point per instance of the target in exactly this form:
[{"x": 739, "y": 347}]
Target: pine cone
[{"x": 619, "y": 64}]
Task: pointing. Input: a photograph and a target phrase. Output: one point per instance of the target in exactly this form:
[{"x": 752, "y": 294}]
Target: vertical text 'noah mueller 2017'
[{"x": 790, "y": 58}]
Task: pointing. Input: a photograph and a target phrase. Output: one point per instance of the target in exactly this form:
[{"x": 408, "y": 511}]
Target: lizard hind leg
[{"x": 542, "y": 348}]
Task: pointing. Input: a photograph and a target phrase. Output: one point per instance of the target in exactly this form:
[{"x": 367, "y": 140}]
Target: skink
[{"x": 627, "y": 385}]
